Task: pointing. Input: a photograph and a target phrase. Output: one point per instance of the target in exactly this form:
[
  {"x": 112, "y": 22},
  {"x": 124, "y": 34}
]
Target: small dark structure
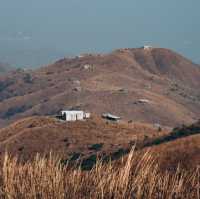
[{"x": 111, "y": 117}]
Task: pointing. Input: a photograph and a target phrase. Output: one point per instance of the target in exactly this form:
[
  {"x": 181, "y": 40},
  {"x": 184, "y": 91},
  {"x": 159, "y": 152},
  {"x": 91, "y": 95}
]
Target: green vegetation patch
[{"x": 179, "y": 132}]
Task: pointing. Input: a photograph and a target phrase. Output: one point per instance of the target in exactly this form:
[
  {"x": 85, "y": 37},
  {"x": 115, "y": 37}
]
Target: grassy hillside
[
  {"x": 181, "y": 147},
  {"x": 88, "y": 140},
  {"x": 163, "y": 164},
  {"x": 73, "y": 140}
]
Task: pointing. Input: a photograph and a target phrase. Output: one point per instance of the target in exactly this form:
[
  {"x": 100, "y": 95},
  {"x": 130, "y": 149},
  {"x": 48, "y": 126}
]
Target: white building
[
  {"x": 74, "y": 115},
  {"x": 147, "y": 47}
]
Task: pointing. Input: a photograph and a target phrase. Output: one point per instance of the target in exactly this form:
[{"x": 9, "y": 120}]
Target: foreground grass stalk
[{"x": 134, "y": 178}]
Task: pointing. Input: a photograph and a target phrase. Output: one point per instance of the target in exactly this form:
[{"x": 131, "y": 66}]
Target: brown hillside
[
  {"x": 70, "y": 139},
  {"x": 107, "y": 83},
  {"x": 170, "y": 64},
  {"x": 184, "y": 152},
  {"x": 180, "y": 147},
  {"x": 85, "y": 140}
]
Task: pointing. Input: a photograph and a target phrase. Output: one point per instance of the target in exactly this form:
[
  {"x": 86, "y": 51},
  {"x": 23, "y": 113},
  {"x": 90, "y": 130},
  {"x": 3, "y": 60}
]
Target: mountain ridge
[{"x": 113, "y": 82}]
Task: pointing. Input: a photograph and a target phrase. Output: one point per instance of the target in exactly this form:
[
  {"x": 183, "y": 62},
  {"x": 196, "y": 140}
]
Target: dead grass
[{"x": 46, "y": 178}]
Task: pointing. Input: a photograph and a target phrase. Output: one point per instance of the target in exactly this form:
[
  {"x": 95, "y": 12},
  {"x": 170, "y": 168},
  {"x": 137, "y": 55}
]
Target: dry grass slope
[
  {"x": 132, "y": 178},
  {"x": 33, "y": 135},
  {"x": 113, "y": 83}
]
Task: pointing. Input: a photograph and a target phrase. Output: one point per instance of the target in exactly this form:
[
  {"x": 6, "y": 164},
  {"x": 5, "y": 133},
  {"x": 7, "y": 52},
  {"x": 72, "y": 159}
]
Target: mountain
[{"x": 152, "y": 85}]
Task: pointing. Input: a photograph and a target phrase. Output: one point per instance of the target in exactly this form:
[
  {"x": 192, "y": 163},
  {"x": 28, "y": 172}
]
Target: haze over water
[{"x": 34, "y": 33}]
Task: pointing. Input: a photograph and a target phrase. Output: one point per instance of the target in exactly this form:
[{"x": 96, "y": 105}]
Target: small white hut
[{"x": 74, "y": 115}]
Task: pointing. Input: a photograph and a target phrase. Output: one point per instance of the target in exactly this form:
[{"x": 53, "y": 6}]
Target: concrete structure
[
  {"x": 74, "y": 115},
  {"x": 147, "y": 47},
  {"x": 145, "y": 101},
  {"x": 87, "y": 115},
  {"x": 80, "y": 56},
  {"x": 142, "y": 101},
  {"x": 109, "y": 116}
]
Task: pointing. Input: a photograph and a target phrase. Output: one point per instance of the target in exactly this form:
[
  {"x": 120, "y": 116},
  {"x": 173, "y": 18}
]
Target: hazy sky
[{"x": 35, "y": 32}]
